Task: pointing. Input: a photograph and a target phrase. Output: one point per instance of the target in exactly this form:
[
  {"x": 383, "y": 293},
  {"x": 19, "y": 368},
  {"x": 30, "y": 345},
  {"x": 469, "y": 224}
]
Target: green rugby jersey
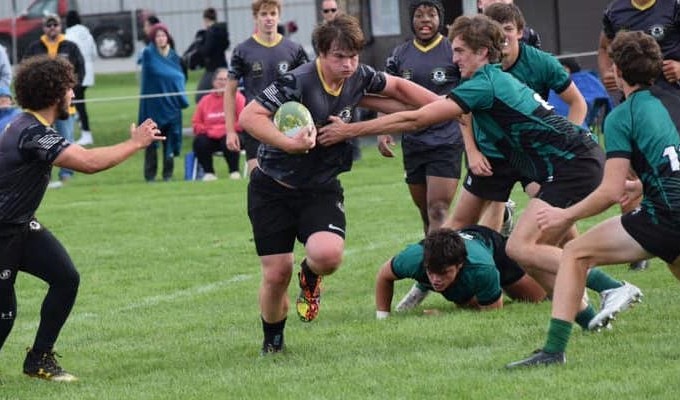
[
  {"x": 516, "y": 123},
  {"x": 645, "y": 129},
  {"x": 539, "y": 70},
  {"x": 478, "y": 278}
]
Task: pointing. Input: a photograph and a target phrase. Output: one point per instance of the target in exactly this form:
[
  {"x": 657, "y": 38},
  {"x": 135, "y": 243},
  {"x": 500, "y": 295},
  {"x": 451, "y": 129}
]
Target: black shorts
[
  {"x": 662, "y": 240},
  {"x": 509, "y": 271},
  {"x": 442, "y": 161},
  {"x": 279, "y": 214},
  {"x": 498, "y": 186},
  {"x": 249, "y": 144},
  {"x": 573, "y": 180}
]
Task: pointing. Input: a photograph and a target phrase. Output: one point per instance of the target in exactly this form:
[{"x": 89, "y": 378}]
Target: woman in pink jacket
[{"x": 209, "y": 129}]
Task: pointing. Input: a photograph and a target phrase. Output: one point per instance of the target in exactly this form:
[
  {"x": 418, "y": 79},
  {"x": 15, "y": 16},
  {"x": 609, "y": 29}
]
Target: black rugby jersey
[{"x": 323, "y": 163}]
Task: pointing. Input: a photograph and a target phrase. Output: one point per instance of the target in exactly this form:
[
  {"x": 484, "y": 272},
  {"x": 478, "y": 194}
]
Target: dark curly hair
[
  {"x": 344, "y": 30},
  {"x": 41, "y": 82},
  {"x": 638, "y": 56},
  {"x": 443, "y": 248},
  {"x": 480, "y": 31}
]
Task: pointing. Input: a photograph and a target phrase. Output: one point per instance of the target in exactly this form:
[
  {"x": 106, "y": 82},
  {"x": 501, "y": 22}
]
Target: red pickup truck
[{"x": 113, "y": 32}]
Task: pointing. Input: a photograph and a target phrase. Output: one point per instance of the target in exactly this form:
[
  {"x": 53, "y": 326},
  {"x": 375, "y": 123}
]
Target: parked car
[{"x": 112, "y": 31}]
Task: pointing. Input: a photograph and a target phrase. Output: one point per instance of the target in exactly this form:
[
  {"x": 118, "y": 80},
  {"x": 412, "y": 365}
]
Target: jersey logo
[
  {"x": 407, "y": 74},
  {"x": 257, "y": 69},
  {"x": 47, "y": 142},
  {"x": 658, "y": 32},
  {"x": 465, "y": 236},
  {"x": 346, "y": 114},
  {"x": 283, "y": 67},
  {"x": 438, "y": 76}
]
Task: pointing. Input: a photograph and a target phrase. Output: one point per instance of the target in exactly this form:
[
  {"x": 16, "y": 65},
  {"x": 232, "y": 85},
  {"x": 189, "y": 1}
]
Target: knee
[
  {"x": 279, "y": 277},
  {"x": 325, "y": 262},
  {"x": 437, "y": 211}
]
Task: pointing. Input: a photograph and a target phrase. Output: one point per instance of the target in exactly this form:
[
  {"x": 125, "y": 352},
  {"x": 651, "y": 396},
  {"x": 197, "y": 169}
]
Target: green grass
[{"x": 167, "y": 307}]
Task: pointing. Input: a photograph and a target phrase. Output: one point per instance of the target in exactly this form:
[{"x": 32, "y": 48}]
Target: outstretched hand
[
  {"x": 146, "y": 133},
  {"x": 335, "y": 132}
]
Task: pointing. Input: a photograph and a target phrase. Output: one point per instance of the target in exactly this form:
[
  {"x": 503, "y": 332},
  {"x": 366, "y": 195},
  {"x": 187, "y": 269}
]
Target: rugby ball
[{"x": 292, "y": 116}]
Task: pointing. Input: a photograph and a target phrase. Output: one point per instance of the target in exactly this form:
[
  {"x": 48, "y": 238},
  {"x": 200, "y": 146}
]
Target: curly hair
[
  {"x": 41, "y": 82},
  {"x": 443, "y": 248},
  {"x": 343, "y": 30},
  {"x": 478, "y": 32},
  {"x": 638, "y": 56}
]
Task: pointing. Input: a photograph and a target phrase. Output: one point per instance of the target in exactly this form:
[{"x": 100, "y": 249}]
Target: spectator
[
  {"x": 81, "y": 36},
  {"x": 329, "y": 9},
  {"x": 209, "y": 129},
  {"x": 149, "y": 21},
  {"x": 211, "y": 49},
  {"x": 7, "y": 108},
  {"x": 5, "y": 68},
  {"x": 162, "y": 74},
  {"x": 54, "y": 44}
]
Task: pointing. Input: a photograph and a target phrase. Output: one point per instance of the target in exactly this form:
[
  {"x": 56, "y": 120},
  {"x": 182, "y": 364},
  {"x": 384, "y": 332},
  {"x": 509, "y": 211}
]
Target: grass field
[{"x": 167, "y": 307}]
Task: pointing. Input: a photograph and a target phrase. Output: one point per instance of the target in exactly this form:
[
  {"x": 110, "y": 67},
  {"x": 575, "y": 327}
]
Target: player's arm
[
  {"x": 98, "y": 159},
  {"x": 671, "y": 70},
  {"x": 577, "y": 104},
  {"x": 477, "y": 162},
  {"x": 230, "y": 115},
  {"x": 405, "y": 121},
  {"x": 257, "y": 121},
  {"x": 604, "y": 63},
  {"x": 384, "y": 290},
  {"x": 611, "y": 190}
]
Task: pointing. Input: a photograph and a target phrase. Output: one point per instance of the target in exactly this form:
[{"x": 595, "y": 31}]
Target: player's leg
[
  {"x": 493, "y": 215},
  {"x": 606, "y": 243},
  {"x": 44, "y": 257},
  {"x": 277, "y": 270},
  {"x": 442, "y": 172},
  {"x": 418, "y": 192},
  {"x": 321, "y": 227},
  {"x": 467, "y": 211}
]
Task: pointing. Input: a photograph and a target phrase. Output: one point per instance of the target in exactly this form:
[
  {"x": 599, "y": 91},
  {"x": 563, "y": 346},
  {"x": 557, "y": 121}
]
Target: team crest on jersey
[
  {"x": 438, "y": 76},
  {"x": 345, "y": 114},
  {"x": 283, "y": 67},
  {"x": 658, "y": 32},
  {"x": 257, "y": 69},
  {"x": 407, "y": 74},
  {"x": 5, "y": 274}
]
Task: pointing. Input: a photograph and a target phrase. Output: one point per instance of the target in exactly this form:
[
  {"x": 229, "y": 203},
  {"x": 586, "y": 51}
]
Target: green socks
[
  {"x": 584, "y": 316},
  {"x": 558, "y": 336},
  {"x": 599, "y": 281}
]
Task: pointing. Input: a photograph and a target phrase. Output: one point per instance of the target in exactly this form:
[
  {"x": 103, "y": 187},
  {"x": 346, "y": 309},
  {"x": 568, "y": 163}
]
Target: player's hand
[
  {"x": 335, "y": 132},
  {"x": 552, "y": 218},
  {"x": 631, "y": 195},
  {"x": 232, "y": 141},
  {"x": 609, "y": 81},
  {"x": 479, "y": 164},
  {"x": 146, "y": 133},
  {"x": 671, "y": 70},
  {"x": 303, "y": 141},
  {"x": 384, "y": 144}
]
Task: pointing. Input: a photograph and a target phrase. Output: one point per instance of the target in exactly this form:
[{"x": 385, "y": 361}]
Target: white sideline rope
[{"x": 189, "y": 92}]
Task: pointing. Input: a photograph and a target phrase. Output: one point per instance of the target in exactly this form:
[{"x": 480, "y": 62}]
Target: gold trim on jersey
[
  {"x": 643, "y": 6},
  {"x": 430, "y": 46},
  {"x": 276, "y": 41},
  {"x": 39, "y": 117},
  {"x": 327, "y": 88}
]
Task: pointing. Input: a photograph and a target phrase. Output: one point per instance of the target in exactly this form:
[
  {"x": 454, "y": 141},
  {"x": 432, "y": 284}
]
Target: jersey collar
[
  {"x": 430, "y": 46},
  {"x": 327, "y": 88},
  {"x": 39, "y": 117},
  {"x": 276, "y": 41}
]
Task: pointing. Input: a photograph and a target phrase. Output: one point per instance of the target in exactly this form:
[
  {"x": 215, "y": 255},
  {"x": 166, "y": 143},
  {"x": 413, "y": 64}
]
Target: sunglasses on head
[
  {"x": 329, "y": 10},
  {"x": 51, "y": 25}
]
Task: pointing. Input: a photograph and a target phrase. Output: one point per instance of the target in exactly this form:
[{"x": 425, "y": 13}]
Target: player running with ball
[{"x": 295, "y": 192}]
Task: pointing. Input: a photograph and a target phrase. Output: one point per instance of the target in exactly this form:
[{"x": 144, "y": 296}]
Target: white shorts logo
[{"x": 5, "y": 274}]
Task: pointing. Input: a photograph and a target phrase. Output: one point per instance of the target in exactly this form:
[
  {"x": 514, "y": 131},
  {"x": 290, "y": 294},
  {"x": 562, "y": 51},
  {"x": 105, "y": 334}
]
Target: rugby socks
[
  {"x": 584, "y": 316},
  {"x": 310, "y": 276},
  {"x": 273, "y": 334},
  {"x": 558, "y": 336},
  {"x": 599, "y": 281}
]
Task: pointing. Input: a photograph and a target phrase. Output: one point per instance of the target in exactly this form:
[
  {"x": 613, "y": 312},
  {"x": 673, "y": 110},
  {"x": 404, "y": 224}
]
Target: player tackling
[{"x": 294, "y": 193}]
